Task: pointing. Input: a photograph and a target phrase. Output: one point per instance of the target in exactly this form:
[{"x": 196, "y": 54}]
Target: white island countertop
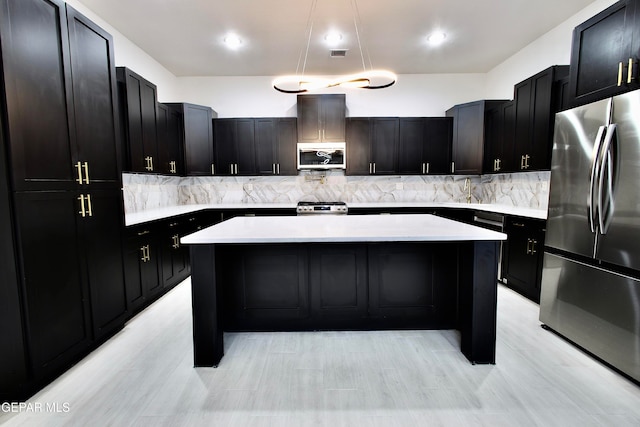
[{"x": 340, "y": 228}]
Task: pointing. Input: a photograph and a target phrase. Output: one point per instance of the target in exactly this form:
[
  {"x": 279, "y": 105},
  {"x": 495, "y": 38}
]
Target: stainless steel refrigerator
[{"x": 591, "y": 276}]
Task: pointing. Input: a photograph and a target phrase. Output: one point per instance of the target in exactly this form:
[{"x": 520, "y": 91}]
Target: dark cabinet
[
  {"x": 170, "y": 141},
  {"x": 500, "y": 121},
  {"x": 536, "y": 105},
  {"x": 196, "y": 133},
  {"x": 275, "y": 146},
  {"x": 372, "y": 145},
  {"x": 74, "y": 131},
  {"x": 142, "y": 264},
  {"x": 138, "y": 103},
  {"x": 338, "y": 281},
  {"x": 321, "y": 118},
  {"x": 174, "y": 257},
  {"x": 234, "y": 146},
  {"x": 468, "y": 140},
  {"x": 62, "y": 133},
  {"x": 522, "y": 255},
  {"x": 264, "y": 286},
  {"x": 425, "y": 145},
  {"x": 604, "y": 54},
  {"x": 403, "y": 285}
]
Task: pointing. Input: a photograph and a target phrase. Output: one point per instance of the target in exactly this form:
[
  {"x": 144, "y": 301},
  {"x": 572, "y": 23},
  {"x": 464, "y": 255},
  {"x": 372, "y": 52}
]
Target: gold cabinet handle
[
  {"x": 518, "y": 224},
  {"x": 453, "y": 167},
  {"x": 176, "y": 241},
  {"x": 424, "y": 168},
  {"x": 143, "y": 250},
  {"x": 374, "y": 168},
  {"x": 533, "y": 246},
  {"x": 89, "y": 209},
  {"x": 79, "y": 170},
  {"x": 526, "y": 161},
  {"x": 630, "y": 71},
  {"x": 427, "y": 167},
  {"x": 82, "y": 211},
  {"x": 142, "y": 233},
  {"x": 231, "y": 168},
  {"x": 370, "y": 168},
  {"x": 277, "y": 168},
  {"x": 620, "y": 66},
  {"x": 85, "y": 166},
  {"x": 273, "y": 168},
  {"x": 213, "y": 169},
  {"x": 149, "y": 161}
]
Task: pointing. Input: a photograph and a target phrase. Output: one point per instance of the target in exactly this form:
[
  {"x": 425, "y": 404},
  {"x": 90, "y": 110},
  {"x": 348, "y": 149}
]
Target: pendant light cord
[
  {"x": 356, "y": 19},
  {"x": 310, "y": 20}
]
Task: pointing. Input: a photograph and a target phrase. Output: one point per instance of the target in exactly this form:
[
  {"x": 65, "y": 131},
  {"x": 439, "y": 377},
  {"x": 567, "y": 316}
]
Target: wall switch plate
[
  {"x": 399, "y": 186},
  {"x": 249, "y": 187}
]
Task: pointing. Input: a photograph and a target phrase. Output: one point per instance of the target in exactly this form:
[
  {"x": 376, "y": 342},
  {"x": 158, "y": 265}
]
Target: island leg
[
  {"x": 477, "y": 299},
  {"x": 208, "y": 346}
]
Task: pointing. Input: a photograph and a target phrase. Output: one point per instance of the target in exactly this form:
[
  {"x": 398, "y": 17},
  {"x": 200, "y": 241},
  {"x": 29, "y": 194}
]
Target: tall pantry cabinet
[{"x": 60, "y": 141}]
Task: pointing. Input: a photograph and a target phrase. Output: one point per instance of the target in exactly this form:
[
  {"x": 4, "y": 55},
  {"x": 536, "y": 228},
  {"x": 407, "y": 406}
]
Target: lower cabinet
[
  {"x": 522, "y": 256},
  {"x": 174, "y": 257},
  {"x": 72, "y": 275},
  {"x": 141, "y": 259}
]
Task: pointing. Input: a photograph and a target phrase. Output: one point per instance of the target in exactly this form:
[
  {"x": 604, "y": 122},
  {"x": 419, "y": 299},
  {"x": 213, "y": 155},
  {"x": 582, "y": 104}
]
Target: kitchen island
[{"x": 344, "y": 272}]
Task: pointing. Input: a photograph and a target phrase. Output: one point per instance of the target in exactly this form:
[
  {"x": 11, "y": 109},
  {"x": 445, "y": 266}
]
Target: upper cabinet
[
  {"x": 73, "y": 140},
  {"x": 170, "y": 140},
  {"x": 234, "y": 146},
  {"x": 196, "y": 133},
  {"x": 321, "y": 118},
  {"x": 500, "y": 122},
  {"x": 536, "y": 100},
  {"x": 138, "y": 109},
  {"x": 469, "y": 136},
  {"x": 425, "y": 145},
  {"x": 605, "y": 53},
  {"x": 275, "y": 146},
  {"x": 372, "y": 145}
]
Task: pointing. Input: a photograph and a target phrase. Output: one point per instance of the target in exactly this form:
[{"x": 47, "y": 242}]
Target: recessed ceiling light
[
  {"x": 232, "y": 41},
  {"x": 436, "y": 38},
  {"x": 333, "y": 38}
]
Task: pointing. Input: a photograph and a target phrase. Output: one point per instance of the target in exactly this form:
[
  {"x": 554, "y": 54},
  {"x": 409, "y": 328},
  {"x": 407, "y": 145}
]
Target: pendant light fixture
[{"x": 367, "y": 79}]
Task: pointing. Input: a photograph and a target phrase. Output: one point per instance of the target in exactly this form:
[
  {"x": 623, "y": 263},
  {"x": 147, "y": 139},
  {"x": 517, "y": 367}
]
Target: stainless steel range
[{"x": 322, "y": 208}]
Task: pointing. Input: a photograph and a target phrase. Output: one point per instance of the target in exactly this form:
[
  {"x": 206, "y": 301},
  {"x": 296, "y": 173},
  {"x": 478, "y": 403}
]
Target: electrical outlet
[
  {"x": 399, "y": 186},
  {"x": 249, "y": 187}
]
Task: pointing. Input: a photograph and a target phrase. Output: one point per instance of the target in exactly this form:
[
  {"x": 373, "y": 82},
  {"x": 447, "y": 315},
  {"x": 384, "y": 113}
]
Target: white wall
[
  {"x": 553, "y": 48},
  {"x": 412, "y": 95}
]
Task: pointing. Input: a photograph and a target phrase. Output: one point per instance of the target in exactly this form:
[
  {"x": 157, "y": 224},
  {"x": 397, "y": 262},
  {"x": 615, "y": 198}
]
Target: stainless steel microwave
[{"x": 322, "y": 155}]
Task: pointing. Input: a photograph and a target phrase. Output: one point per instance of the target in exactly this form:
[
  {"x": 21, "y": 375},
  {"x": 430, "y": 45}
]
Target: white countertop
[
  {"x": 340, "y": 228},
  {"x": 161, "y": 213}
]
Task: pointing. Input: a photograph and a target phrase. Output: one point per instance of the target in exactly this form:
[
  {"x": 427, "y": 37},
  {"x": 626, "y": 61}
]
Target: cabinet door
[
  {"x": 333, "y": 117},
  {"x": 266, "y": 146},
  {"x": 437, "y": 155},
  {"x": 523, "y": 250},
  {"x": 411, "y": 155},
  {"x": 170, "y": 140},
  {"x": 138, "y": 99},
  {"x": 309, "y": 126},
  {"x": 174, "y": 257},
  {"x": 468, "y": 134},
  {"x": 198, "y": 140},
  {"x": 224, "y": 143},
  {"x": 359, "y": 146},
  {"x": 141, "y": 260},
  {"x": 37, "y": 85},
  {"x": 56, "y": 296},
  {"x": 338, "y": 283},
  {"x": 384, "y": 145},
  {"x": 102, "y": 251},
  {"x": 244, "y": 141},
  {"x": 265, "y": 286},
  {"x": 601, "y": 45},
  {"x": 287, "y": 140},
  {"x": 403, "y": 280},
  {"x": 95, "y": 101}
]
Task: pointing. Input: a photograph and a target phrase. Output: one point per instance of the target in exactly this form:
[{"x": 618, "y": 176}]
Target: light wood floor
[{"x": 144, "y": 377}]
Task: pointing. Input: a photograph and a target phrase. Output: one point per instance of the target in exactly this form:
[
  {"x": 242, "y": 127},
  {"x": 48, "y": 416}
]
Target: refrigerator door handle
[
  {"x": 605, "y": 207},
  {"x": 595, "y": 167}
]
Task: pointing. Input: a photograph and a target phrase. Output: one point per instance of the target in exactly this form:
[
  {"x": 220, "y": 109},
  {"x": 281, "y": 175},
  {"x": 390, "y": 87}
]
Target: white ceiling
[{"x": 185, "y": 36}]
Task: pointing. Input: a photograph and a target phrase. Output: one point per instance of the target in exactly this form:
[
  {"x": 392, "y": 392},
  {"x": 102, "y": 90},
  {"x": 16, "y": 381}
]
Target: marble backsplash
[{"x": 143, "y": 192}]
